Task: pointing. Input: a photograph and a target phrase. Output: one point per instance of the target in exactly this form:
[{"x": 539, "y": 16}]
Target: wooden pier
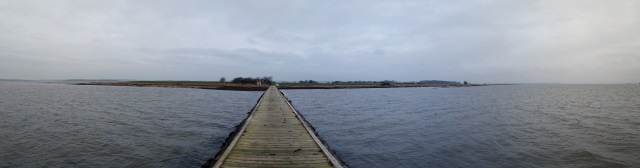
[{"x": 276, "y": 135}]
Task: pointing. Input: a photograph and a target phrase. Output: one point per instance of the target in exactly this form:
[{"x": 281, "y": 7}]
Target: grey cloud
[{"x": 490, "y": 41}]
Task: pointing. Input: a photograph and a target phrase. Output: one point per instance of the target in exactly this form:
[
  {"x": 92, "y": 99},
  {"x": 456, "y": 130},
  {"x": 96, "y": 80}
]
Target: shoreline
[
  {"x": 251, "y": 87},
  {"x": 195, "y": 85},
  {"x": 339, "y": 86}
]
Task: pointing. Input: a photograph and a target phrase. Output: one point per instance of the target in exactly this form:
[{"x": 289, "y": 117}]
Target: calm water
[
  {"x": 58, "y": 125},
  {"x": 493, "y": 126}
]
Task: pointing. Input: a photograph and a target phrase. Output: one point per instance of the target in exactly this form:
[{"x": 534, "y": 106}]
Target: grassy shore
[
  {"x": 185, "y": 84},
  {"x": 359, "y": 85},
  {"x": 253, "y": 87}
]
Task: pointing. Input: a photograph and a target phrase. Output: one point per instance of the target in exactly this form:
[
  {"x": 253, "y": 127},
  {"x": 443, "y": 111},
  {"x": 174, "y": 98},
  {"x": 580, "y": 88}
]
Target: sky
[{"x": 482, "y": 41}]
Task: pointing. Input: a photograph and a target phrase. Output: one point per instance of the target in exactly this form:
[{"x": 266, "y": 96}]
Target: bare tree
[{"x": 222, "y": 80}]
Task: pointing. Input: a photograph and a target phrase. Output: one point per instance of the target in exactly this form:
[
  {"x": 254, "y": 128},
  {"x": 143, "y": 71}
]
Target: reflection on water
[
  {"x": 58, "y": 125},
  {"x": 495, "y": 126},
  {"x": 45, "y": 125}
]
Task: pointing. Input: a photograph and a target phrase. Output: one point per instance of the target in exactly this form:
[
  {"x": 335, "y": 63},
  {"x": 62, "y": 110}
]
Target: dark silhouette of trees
[
  {"x": 466, "y": 83},
  {"x": 267, "y": 80},
  {"x": 307, "y": 81},
  {"x": 222, "y": 80},
  {"x": 364, "y": 82},
  {"x": 438, "y": 82}
]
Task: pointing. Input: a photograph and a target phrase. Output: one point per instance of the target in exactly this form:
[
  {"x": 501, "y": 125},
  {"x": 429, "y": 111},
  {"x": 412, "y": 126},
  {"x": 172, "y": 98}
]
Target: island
[{"x": 262, "y": 84}]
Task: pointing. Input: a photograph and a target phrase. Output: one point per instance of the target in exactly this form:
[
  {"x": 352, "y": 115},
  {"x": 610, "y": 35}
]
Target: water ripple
[
  {"x": 55, "y": 125},
  {"x": 497, "y": 126}
]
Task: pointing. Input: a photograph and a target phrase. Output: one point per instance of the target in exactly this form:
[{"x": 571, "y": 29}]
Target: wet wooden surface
[{"x": 275, "y": 136}]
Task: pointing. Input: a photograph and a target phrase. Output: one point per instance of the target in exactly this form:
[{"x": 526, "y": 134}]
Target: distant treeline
[
  {"x": 307, "y": 81},
  {"x": 248, "y": 80},
  {"x": 367, "y": 82},
  {"x": 437, "y": 82},
  {"x": 383, "y": 82},
  {"x": 392, "y": 82}
]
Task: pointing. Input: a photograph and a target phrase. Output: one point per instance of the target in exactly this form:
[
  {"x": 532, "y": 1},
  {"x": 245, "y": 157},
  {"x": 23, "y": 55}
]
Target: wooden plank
[{"x": 276, "y": 135}]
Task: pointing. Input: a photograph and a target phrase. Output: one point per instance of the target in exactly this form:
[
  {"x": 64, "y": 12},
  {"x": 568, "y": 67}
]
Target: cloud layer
[{"x": 483, "y": 41}]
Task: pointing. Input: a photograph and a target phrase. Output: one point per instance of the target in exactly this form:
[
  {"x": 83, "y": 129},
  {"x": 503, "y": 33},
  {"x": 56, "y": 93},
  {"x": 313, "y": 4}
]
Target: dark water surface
[
  {"x": 491, "y": 126},
  {"x": 58, "y": 125}
]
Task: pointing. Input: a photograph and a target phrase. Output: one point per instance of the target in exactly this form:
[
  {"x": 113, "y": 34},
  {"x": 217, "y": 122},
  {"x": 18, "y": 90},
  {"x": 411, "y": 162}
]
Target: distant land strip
[
  {"x": 254, "y": 87},
  {"x": 185, "y": 84}
]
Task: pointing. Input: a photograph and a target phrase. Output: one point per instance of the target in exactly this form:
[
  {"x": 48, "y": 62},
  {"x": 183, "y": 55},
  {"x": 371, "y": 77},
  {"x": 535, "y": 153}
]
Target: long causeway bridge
[{"x": 275, "y": 135}]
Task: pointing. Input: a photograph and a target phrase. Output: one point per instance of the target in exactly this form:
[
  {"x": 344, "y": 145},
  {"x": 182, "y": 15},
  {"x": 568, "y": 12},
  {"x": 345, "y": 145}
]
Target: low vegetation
[
  {"x": 262, "y": 83},
  {"x": 186, "y": 84}
]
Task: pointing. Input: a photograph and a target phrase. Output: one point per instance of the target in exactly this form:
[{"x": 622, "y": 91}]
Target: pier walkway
[{"x": 275, "y": 135}]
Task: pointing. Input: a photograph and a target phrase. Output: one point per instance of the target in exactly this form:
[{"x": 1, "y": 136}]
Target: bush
[{"x": 248, "y": 80}]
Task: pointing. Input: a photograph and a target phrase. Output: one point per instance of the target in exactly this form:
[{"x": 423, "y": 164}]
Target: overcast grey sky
[{"x": 520, "y": 41}]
